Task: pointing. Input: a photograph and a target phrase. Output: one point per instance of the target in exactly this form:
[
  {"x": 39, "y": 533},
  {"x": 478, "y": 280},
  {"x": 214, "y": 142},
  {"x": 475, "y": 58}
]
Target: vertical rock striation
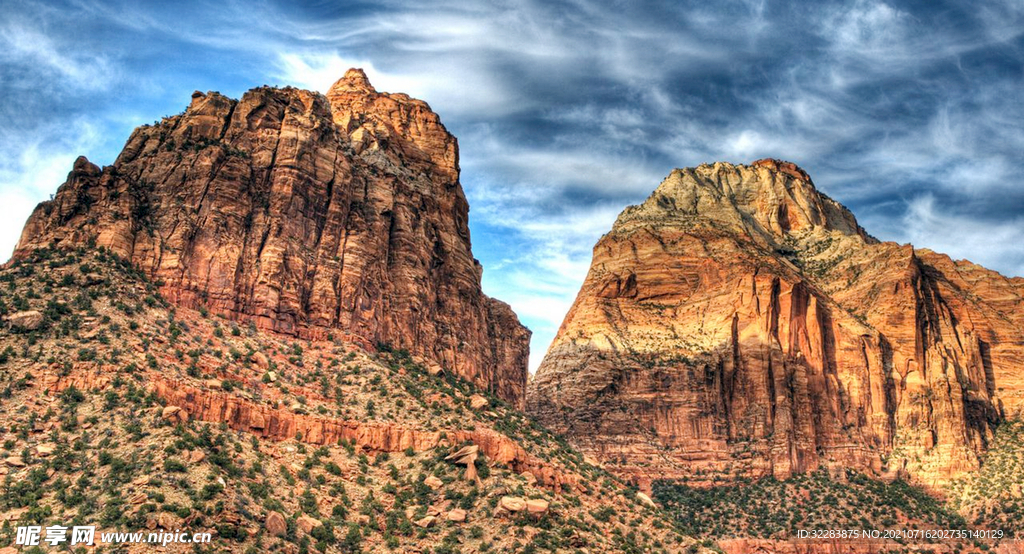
[
  {"x": 303, "y": 214},
  {"x": 741, "y": 323}
]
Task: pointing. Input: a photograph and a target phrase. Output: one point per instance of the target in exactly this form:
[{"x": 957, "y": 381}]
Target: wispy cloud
[
  {"x": 867, "y": 28},
  {"x": 927, "y": 222},
  {"x": 31, "y": 57},
  {"x": 566, "y": 111},
  {"x": 544, "y": 262},
  {"x": 31, "y": 170}
]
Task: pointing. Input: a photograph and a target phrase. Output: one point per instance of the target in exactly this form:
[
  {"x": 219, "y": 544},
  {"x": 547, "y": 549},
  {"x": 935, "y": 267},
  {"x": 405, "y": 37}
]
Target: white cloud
[
  {"x": 32, "y": 169},
  {"x": 997, "y": 245},
  {"x": 868, "y": 28},
  {"x": 565, "y": 113},
  {"x": 746, "y": 144},
  {"x": 318, "y": 70},
  {"x": 541, "y": 280},
  {"x": 1002, "y": 19},
  {"x": 451, "y": 90}
]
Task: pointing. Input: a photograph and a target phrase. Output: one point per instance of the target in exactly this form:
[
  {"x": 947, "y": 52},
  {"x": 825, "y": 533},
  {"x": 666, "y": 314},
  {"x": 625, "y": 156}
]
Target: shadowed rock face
[
  {"x": 740, "y": 323},
  {"x": 302, "y": 214}
]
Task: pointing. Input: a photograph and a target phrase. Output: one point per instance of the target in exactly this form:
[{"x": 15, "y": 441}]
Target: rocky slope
[
  {"x": 305, "y": 215},
  {"x": 125, "y": 412},
  {"x": 739, "y": 323}
]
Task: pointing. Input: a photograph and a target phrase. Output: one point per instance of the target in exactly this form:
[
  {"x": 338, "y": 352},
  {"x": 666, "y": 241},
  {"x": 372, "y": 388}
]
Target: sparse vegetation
[
  {"x": 116, "y": 459},
  {"x": 993, "y": 498},
  {"x": 770, "y": 508}
]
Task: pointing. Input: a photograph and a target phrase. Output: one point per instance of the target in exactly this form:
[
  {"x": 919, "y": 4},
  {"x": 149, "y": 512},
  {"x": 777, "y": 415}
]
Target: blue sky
[{"x": 910, "y": 113}]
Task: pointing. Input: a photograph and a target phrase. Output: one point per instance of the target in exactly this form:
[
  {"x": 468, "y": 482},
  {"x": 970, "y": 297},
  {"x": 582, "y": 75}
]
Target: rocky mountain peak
[
  {"x": 767, "y": 200},
  {"x": 354, "y": 80},
  {"x": 741, "y": 323},
  {"x": 394, "y": 129},
  {"x": 306, "y": 216},
  {"x": 783, "y": 166}
]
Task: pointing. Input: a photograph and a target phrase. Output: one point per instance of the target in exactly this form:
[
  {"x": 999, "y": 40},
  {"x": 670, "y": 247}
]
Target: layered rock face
[
  {"x": 185, "y": 401},
  {"x": 741, "y": 323},
  {"x": 302, "y": 214}
]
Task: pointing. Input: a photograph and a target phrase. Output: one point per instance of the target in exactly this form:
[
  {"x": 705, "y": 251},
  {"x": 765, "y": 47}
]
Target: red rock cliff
[
  {"x": 739, "y": 322},
  {"x": 302, "y": 213}
]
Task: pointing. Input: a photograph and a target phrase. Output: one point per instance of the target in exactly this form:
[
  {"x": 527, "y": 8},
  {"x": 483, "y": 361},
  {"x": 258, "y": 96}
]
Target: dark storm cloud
[{"x": 908, "y": 112}]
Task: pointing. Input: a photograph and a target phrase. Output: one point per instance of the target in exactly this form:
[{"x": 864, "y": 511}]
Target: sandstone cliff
[
  {"x": 302, "y": 214},
  {"x": 739, "y": 322}
]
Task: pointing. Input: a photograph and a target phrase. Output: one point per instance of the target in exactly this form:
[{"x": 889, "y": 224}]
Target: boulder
[
  {"x": 512, "y": 503},
  {"x": 169, "y": 521},
  {"x": 44, "y": 450},
  {"x": 466, "y": 456},
  {"x": 458, "y": 515},
  {"x": 645, "y": 500},
  {"x": 259, "y": 359},
  {"x": 306, "y": 524},
  {"x": 275, "y": 524},
  {"x": 29, "y": 320},
  {"x": 174, "y": 414},
  {"x": 425, "y": 522},
  {"x": 537, "y": 506},
  {"x": 433, "y": 482},
  {"x": 163, "y": 520},
  {"x": 478, "y": 402}
]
